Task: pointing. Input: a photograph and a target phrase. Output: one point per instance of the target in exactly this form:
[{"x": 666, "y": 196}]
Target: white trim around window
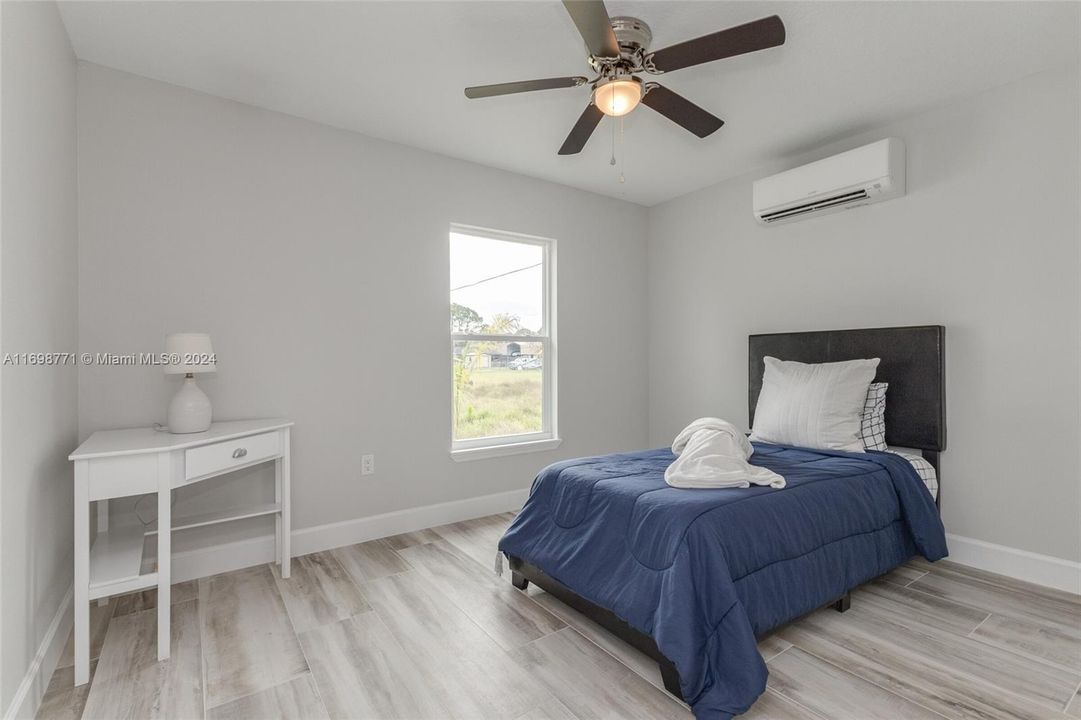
[
  {"x": 517, "y": 447},
  {"x": 548, "y": 437}
]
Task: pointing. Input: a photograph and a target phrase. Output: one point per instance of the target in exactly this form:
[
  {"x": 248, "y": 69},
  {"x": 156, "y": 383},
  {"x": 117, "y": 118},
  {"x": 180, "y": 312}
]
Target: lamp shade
[
  {"x": 188, "y": 353},
  {"x": 618, "y": 96}
]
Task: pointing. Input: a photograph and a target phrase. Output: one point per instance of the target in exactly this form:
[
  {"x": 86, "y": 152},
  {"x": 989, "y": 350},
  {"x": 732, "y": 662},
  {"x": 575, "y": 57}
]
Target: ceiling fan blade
[
  {"x": 581, "y": 131},
  {"x": 681, "y": 111},
  {"x": 591, "y": 18},
  {"x": 483, "y": 91},
  {"x": 755, "y": 35}
]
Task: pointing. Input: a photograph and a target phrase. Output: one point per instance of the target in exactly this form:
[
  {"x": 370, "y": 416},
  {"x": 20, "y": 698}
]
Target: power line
[{"x": 509, "y": 272}]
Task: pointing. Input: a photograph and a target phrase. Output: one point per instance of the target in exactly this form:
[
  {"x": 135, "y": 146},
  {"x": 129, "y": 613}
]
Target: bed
[{"x": 693, "y": 577}]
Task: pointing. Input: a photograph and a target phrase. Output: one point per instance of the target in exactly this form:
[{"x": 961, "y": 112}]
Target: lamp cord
[{"x": 146, "y": 523}]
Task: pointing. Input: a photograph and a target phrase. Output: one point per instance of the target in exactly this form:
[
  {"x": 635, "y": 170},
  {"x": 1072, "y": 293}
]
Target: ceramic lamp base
[{"x": 189, "y": 410}]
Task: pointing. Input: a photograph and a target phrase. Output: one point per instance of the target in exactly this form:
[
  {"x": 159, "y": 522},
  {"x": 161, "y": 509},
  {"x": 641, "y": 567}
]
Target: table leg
[
  {"x": 103, "y": 526},
  {"x": 278, "y": 517},
  {"x": 164, "y": 551},
  {"x": 82, "y": 574},
  {"x": 285, "y": 510}
]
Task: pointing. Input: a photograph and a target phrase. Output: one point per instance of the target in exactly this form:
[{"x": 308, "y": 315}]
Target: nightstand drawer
[{"x": 221, "y": 457}]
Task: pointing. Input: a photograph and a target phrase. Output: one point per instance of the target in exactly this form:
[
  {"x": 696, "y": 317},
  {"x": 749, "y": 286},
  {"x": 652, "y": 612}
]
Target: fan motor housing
[{"x": 632, "y": 34}]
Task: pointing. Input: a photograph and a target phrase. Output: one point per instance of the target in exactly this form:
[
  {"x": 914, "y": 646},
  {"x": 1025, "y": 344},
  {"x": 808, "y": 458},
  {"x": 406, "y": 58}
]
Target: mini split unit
[{"x": 866, "y": 175}]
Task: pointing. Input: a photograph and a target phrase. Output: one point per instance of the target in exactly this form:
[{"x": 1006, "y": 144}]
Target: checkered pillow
[{"x": 873, "y": 423}]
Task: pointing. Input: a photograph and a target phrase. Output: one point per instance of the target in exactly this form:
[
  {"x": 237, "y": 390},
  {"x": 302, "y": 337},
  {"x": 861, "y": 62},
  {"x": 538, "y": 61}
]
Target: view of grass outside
[{"x": 498, "y": 401}]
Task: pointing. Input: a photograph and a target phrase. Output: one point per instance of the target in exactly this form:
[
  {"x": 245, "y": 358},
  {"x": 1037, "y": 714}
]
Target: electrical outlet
[{"x": 367, "y": 464}]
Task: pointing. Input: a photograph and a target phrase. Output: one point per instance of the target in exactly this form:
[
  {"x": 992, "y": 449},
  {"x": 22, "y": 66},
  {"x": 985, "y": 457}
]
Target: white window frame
[{"x": 548, "y": 437}]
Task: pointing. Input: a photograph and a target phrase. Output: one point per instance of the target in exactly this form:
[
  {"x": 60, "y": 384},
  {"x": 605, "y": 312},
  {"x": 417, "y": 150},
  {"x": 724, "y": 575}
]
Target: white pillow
[
  {"x": 873, "y": 423},
  {"x": 813, "y": 406}
]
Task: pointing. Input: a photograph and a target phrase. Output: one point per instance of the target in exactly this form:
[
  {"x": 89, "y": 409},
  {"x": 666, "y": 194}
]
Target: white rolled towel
[{"x": 713, "y": 453}]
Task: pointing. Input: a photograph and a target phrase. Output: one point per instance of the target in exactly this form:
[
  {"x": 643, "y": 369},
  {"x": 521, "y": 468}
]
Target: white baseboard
[
  {"x": 1032, "y": 567},
  {"x": 245, "y": 553},
  {"x": 28, "y": 696}
]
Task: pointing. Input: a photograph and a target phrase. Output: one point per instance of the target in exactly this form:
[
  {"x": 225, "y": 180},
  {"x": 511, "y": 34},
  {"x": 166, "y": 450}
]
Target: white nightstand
[{"x": 117, "y": 463}]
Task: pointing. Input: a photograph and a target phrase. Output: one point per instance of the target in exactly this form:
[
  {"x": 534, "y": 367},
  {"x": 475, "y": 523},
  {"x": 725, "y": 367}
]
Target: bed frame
[{"x": 912, "y": 362}]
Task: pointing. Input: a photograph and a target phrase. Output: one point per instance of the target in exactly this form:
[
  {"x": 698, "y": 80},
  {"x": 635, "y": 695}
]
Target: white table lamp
[{"x": 187, "y": 354}]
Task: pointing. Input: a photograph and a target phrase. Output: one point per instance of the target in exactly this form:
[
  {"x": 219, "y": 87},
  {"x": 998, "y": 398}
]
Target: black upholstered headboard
[{"x": 912, "y": 362}]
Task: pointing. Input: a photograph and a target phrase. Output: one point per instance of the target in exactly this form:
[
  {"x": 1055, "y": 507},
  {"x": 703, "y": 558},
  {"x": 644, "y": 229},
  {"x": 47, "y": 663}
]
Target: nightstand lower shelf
[{"x": 116, "y": 558}]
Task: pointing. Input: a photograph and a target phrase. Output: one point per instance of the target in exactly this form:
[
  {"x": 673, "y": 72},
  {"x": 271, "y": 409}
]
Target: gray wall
[
  {"x": 317, "y": 259},
  {"x": 986, "y": 242},
  {"x": 37, "y": 313}
]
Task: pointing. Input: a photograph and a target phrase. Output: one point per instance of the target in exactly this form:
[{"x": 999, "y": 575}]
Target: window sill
[{"x": 491, "y": 451}]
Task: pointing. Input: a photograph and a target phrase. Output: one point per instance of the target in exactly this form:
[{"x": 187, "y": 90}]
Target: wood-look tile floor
[{"x": 418, "y": 626}]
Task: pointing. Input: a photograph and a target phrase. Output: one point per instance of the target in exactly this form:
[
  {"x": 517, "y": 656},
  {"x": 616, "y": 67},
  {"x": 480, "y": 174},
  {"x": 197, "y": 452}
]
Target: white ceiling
[{"x": 395, "y": 70}]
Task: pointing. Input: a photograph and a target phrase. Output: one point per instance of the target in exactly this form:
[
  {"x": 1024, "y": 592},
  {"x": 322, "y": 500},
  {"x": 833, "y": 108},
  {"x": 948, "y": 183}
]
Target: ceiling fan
[{"x": 619, "y": 51}]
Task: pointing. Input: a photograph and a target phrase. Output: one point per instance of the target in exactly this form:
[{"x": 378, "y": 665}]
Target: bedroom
[{"x": 287, "y": 198}]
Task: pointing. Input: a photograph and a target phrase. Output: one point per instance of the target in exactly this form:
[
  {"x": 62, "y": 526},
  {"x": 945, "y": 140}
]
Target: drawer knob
[{"x": 240, "y": 452}]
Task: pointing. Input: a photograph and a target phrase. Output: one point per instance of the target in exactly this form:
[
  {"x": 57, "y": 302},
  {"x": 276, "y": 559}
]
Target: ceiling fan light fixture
[
  {"x": 621, "y": 47},
  {"x": 618, "y": 96}
]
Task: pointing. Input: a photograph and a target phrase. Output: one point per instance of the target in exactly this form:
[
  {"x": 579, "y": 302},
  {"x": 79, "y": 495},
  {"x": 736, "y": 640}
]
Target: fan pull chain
[
  {"x": 622, "y": 151},
  {"x": 612, "y": 162}
]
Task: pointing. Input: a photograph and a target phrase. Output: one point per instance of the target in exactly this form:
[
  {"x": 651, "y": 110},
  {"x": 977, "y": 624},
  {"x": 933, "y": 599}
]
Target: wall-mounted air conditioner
[{"x": 868, "y": 174}]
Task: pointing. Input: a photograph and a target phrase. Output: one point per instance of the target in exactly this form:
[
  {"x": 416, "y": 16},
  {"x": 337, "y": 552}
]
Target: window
[{"x": 502, "y": 343}]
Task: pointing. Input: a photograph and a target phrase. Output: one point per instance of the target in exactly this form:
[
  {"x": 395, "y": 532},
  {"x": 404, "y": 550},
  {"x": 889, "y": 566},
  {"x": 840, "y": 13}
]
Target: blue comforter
[{"x": 705, "y": 571}]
